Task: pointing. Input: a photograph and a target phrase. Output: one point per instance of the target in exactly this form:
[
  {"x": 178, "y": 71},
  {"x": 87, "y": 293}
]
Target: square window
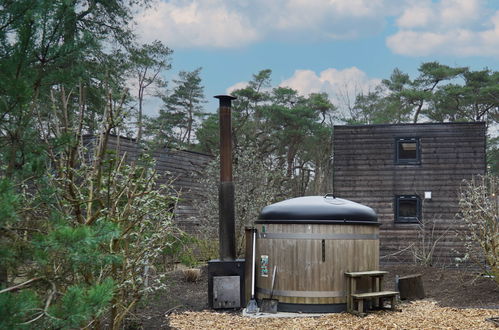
[
  {"x": 407, "y": 151},
  {"x": 407, "y": 208}
]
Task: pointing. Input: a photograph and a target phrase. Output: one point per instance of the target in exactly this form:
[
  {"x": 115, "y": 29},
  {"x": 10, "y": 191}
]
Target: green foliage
[
  {"x": 288, "y": 132},
  {"x": 188, "y": 257},
  {"x": 80, "y": 304},
  {"x": 94, "y": 261},
  {"x": 190, "y": 250},
  {"x": 475, "y": 100},
  {"x": 78, "y": 249},
  {"x": 13, "y": 249},
  {"x": 181, "y": 113},
  {"x": 180, "y": 247},
  {"x": 16, "y": 308},
  {"x": 78, "y": 225},
  {"x": 9, "y": 202},
  {"x": 208, "y": 135},
  {"x": 440, "y": 93},
  {"x": 370, "y": 109},
  {"x": 207, "y": 248},
  {"x": 147, "y": 62},
  {"x": 176, "y": 243}
]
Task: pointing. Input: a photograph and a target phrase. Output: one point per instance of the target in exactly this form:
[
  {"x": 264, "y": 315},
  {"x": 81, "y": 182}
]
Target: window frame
[
  {"x": 408, "y": 161},
  {"x": 399, "y": 219}
]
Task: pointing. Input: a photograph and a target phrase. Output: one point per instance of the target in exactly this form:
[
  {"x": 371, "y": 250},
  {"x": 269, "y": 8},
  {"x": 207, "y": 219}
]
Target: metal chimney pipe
[{"x": 226, "y": 211}]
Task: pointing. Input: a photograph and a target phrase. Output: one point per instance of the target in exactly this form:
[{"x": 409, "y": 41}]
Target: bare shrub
[
  {"x": 479, "y": 208},
  {"x": 192, "y": 274},
  {"x": 93, "y": 223},
  {"x": 258, "y": 183},
  {"x": 429, "y": 237}
]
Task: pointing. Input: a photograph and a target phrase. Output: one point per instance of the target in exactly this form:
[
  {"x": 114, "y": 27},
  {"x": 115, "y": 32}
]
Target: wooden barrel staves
[{"x": 313, "y": 241}]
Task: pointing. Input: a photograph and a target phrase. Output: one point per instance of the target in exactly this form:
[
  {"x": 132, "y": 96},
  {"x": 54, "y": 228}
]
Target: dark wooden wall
[
  {"x": 183, "y": 168},
  {"x": 365, "y": 172}
]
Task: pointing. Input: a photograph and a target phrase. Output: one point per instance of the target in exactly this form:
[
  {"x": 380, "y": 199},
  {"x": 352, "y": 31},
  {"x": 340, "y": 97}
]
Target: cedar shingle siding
[{"x": 366, "y": 170}]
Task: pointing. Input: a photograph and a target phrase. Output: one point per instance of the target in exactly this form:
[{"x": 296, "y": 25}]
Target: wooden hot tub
[{"x": 312, "y": 241}]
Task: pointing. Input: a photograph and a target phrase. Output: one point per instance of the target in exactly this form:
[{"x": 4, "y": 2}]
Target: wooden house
[
  {"x": 410, "y": 174},
  {"x": 181, "y": 168}
]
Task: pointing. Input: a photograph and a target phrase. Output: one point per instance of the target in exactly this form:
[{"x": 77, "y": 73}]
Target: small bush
[
  {"x": 479, "y": 208},
  {"x": 192, "y": 274},
  {"x": 429, "y": 238},
  {"x": 207, "y": 249}
]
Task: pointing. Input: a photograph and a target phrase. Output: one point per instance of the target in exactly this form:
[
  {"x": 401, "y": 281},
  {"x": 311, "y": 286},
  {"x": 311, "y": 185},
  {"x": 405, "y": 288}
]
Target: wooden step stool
[{"x": 355, "y": 300}]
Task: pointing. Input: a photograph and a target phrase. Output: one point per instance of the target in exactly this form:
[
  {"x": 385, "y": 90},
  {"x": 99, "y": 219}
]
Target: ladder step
[
  {"x": 366, "y": 273},
  {"x": 379, "y": 294}
]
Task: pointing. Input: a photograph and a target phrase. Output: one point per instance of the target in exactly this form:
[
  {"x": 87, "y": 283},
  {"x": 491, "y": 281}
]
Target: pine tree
[
  {"x": 77, "y": 224},
  {"x": 181, "y": 113},
  {"x": 147, "y": 63}
]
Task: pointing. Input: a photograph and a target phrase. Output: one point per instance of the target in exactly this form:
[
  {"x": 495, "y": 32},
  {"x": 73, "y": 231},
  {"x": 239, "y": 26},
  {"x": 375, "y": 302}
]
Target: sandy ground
[
  {"x": 422, "y": 314},
  {"x": 456, "y": 299}
]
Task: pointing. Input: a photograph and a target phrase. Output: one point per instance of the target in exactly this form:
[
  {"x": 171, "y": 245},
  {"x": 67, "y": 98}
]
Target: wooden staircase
[{"x": 355, "y": 300}]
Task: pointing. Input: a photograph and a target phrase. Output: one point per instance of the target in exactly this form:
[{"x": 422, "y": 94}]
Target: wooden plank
[
  {"x": 305, "y": 271},
  {"x": 365, "y": 172},
  {"x": 431, "y": 129},
  {"x": 366, "y": 273},
  {"x": 411, "y": 287},
  {"x": 340, "y": 139},
  {"x": 380, "y": 294}
]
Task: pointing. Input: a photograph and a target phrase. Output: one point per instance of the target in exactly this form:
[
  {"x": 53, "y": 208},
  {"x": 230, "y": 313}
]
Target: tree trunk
[
  {"x": 290, "y": 158},
  {"x": 4, "y": 277},
  {"x": 189, "y": 127},
  {"x": 418, "y": 111},
  {"x": 139, "y": 117}
]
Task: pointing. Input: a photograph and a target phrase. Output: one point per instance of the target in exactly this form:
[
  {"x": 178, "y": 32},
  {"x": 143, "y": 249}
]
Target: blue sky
[{"x": 341, "y": 47}]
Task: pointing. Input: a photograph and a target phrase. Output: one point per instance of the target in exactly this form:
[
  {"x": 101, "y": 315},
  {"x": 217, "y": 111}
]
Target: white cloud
[
  {"x": 426, "y": 27},
  {"x": 416, "y": 16},
  {"x": 341, "y": 85},
  {"x": 360, "y": 8},
  {"x": 441, "y": 15},
  {"x": 207, "y": 23},
  {"x": 451, "y": 27},
  {"x": 459, "y": 12},
  {"x": 229, "y": 23},
  {"x": 305, "y": 82},
  {"x": 313, "y": 13},
  {"x": 239, "y": 85}
]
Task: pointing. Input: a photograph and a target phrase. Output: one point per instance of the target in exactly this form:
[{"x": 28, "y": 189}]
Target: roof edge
[{"x": 414, "y": 124}]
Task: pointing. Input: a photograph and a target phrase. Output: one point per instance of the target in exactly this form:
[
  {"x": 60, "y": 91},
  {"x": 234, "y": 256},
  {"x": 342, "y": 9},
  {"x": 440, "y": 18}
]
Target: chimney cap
[{"x": 225, "y": 100}]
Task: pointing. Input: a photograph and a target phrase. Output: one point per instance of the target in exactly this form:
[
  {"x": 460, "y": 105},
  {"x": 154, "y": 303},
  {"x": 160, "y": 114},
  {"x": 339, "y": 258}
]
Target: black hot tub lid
[{"x": 318, "y": 209}]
